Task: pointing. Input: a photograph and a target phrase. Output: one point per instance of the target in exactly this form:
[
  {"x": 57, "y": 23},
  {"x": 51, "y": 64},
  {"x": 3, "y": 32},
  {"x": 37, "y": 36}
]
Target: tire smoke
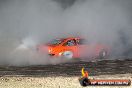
[{"x": 26, "y": 23}]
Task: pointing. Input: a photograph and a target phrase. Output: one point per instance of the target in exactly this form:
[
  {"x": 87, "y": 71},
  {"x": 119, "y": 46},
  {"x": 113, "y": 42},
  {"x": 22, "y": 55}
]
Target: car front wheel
[{"x": 67, "y": 54}]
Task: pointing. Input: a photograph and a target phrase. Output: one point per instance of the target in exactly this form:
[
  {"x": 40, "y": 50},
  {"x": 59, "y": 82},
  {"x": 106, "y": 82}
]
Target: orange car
[{"x": 73, "y": 47}]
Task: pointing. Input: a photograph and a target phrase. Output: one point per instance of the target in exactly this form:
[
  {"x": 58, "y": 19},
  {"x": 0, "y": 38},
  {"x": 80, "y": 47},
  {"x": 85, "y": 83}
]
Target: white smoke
[{"x": 26, "y": 23}]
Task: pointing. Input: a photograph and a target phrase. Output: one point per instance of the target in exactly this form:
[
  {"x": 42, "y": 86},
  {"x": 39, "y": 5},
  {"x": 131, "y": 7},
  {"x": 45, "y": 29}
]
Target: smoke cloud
[{"x": 27, "y": 23}]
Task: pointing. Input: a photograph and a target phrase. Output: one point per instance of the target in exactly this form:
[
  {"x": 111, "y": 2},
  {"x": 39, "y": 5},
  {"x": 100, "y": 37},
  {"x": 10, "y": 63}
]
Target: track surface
[{"x": 70, "y": 69}]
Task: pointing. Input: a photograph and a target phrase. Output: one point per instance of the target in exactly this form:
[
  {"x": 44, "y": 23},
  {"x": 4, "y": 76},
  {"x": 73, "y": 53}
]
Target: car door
[
  {"x": 71, "y": 45},
  {"x": 84, "y": 48}
]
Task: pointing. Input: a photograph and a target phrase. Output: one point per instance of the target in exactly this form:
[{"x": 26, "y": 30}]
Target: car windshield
[{"x": 56, "y": 41}]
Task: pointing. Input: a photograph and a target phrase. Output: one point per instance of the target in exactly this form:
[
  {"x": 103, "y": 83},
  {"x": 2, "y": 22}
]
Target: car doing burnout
[{"x": 73, "y": 47}]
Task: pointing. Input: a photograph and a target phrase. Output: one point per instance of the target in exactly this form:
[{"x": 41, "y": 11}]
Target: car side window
[{"x": 70, "y": 43}]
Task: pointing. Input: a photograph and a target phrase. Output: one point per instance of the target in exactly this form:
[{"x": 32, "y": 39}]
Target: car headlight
[
  {"x": 60, "y": 53},
  {"x": 50, "y": 50}
]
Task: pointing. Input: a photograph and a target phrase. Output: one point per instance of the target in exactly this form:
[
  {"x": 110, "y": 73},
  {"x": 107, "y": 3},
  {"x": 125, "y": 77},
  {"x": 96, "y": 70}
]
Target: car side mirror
[{"x": 65, "y": 44}]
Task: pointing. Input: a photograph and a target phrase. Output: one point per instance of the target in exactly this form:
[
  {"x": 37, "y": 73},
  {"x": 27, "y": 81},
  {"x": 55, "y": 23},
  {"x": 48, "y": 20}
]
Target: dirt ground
[{"x": 56, "y": 81}]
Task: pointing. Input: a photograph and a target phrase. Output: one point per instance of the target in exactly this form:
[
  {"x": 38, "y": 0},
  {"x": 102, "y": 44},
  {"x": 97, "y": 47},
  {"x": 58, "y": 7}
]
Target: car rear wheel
[
  {"x": 103, "y": 54},
  {"x": 67, "y": 54}
]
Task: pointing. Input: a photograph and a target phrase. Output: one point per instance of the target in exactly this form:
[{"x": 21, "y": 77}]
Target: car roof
[
  {"x": 68, "y": 38},
  {"x": 72, "y": 38}
]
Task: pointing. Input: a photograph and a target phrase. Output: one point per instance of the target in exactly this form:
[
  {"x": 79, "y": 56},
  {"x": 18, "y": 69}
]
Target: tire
[
  {"x": 103, "y": 54},
  {"x": 84, "y": 82},
  {"x": 67, "y": 54}
]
